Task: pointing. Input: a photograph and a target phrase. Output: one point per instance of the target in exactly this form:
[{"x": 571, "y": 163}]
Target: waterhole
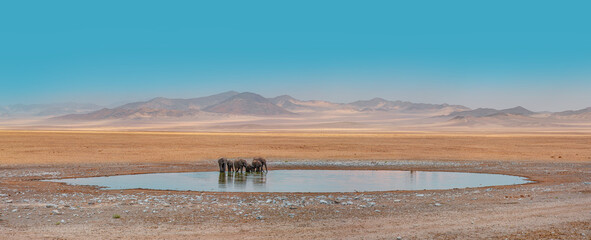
[{"x": 300, "y": 181}]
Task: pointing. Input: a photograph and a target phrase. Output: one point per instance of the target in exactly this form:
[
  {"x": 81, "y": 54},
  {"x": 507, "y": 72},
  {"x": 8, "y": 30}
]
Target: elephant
[
  {"x": 263, "y": 162},
  {"x": 230, "y": 165},
  {"x": 249, "y": 168},
  {"x": 239, "y": 164},
  {"x": 222, "y": 164},
  {"x": 257, "y": 166}
]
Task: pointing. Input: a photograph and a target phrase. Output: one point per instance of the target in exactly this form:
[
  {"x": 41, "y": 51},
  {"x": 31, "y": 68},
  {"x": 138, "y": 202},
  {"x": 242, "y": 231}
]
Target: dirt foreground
[{"x": 556, "y": 206}]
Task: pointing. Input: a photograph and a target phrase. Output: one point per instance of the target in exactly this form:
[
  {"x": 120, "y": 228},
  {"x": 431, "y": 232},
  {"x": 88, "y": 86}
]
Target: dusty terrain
[{"x": 556, "y": 206}]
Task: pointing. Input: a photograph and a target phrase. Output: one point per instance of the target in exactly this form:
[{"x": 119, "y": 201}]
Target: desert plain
[{"x": 555, "y": 205}]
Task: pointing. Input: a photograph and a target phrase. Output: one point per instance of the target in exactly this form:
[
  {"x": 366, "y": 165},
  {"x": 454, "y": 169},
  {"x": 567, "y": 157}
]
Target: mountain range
[
  {"x": 246, "y": 103},
  {"x": 246, "y": 110}
]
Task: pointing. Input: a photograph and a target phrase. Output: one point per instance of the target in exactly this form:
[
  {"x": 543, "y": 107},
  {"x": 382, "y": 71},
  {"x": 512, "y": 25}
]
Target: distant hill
[
  {"x": 584, "y": 113},
  {"x": 483, "y": 112},
  {"x": 30, "y": 110},
  {"x": 154, "y": 108},
  {"x": 180, "y": 104},
  {"x": 296, "y": 105},
  {"x": 380, "y": 104},
  {"x": 122, "y": 113},
  {"x": 247, "y": 104}
]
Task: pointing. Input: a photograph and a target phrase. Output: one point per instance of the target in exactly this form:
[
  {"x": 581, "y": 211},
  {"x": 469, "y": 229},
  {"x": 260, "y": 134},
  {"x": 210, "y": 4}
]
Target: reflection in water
[
  {"x": 300, "y": 181},
  {"x": 222, "y": 179},
  {"x": 241, "y": 180}
]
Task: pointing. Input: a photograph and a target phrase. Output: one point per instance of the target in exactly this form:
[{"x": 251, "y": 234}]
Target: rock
[
  {"x": 260, "y": 217},
  {"x": 51, "y": 206},
  {"x": 420, "y": 195},
  {"x": 56, "y": 212},
  {"x": 291, "y": 215},
  {"x": 324, "y": 202},
  {"x": 14, "y": 210},
  {"x": 399, "y": 238},
  {"x": 9, "y": 201},
  {"x": 437, "y": 204}
]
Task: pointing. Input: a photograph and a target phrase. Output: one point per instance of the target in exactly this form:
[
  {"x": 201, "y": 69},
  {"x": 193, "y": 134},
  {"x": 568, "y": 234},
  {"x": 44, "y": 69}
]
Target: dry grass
[{"x": 43, "y": 147}]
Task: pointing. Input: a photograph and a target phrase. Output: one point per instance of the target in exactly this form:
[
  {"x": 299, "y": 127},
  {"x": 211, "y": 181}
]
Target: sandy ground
[{"x": 556, "y": 206}]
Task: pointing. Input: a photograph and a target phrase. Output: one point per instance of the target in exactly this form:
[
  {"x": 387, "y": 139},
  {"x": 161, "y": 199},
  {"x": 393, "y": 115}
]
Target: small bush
[{"x": 116, "y": 216}]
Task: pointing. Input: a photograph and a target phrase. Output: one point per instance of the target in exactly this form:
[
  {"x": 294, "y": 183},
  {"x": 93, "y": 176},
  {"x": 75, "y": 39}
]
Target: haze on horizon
[{"x": 499, "y": 54}]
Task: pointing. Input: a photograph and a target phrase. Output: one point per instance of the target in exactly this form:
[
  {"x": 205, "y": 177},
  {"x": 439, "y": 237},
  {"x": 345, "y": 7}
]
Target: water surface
[{"x": 300, "y": 181}]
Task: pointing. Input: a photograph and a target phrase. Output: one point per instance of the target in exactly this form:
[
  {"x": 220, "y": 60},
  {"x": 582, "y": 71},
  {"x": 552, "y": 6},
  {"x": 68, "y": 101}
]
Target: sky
[{"x": 497, "y": 54}]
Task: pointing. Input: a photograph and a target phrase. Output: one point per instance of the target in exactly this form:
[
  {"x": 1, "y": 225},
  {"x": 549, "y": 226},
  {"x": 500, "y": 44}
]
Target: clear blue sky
[{"x": 477, "y": 53}]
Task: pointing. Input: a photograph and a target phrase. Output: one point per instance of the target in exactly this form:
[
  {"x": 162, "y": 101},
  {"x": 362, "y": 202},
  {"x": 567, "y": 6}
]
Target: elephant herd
[{"x": 239, "y": 165}]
